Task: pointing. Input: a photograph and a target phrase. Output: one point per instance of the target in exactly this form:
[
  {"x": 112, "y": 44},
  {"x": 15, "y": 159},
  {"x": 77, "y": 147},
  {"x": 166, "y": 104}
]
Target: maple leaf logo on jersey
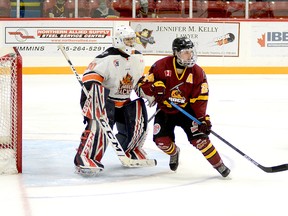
[
  {"x": 126, "y": 85},
  {"x": 168, "y": 73},
  {"x": 127, "y": 79}
]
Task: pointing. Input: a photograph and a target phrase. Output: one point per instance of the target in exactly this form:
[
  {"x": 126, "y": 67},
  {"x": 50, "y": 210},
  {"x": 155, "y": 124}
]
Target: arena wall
[{"x": 258, "y": 46}]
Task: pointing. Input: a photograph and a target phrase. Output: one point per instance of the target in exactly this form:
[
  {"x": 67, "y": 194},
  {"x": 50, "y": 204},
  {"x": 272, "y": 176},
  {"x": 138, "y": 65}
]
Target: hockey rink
[{"x": 249, "y": 111}]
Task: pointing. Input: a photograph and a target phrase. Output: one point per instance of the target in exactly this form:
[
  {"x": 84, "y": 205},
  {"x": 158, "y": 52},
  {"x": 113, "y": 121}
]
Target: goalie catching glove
[{"x": 205, "y": 126}]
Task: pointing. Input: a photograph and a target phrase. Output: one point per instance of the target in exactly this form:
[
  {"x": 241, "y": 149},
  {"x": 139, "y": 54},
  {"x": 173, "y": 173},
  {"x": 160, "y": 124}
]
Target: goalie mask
[
  {"x": 124, "y": 39},
  {"x": 184, "y": 51}
]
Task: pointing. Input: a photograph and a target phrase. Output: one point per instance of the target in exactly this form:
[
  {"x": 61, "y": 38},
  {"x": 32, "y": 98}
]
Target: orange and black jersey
[
  {"x": 117, "y": 72},
  {"x": 189, "y": 88}
]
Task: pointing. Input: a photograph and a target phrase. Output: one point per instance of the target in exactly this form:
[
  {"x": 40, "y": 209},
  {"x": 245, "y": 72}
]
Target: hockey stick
[
  {"x": 272, "y": 169},
  {"x": 153, "y": 115},
  {"x": 126, "y": 161}
]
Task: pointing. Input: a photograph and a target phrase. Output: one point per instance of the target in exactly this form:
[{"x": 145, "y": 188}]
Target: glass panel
[
  {"x": 69, "y": 8},
  {"x": 170, "y": 8},
  {"x": 5, "y": 8},
  {"x": 279, "y": 9},
  {"x": 200, "y": 8},
  {"x": 235, "y": 9},
  {"x": 52, "y": 9},
  {"x": 219, "y": 9},
  {"x": 58, "y": 8},
  {"x": 124, "y": 7},
  {"x": 105, "y": 8},
  {"x": 84, "y": 7},
  {"x": 145, "y": 8},
  {"x": 260, "y": 9},
  {"x": 28, "y": 8}
]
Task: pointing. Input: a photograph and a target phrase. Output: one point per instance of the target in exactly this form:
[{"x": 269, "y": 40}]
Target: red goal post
[{"x": 10, "y": 111}]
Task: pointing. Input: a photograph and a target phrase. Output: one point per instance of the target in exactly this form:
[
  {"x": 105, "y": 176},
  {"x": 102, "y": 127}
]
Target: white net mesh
[{"x": 8, "y": 112}]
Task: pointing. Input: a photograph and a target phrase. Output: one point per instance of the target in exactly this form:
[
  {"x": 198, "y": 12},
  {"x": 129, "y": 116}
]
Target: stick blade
[
  {"x": 279, "y": 168},
  {"x": 128, "y": 162}
]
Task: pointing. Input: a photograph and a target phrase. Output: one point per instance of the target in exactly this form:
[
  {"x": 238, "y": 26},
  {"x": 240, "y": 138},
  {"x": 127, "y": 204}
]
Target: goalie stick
[
  {"x": 126, "y": 161},
  {"x": 272, "y": 169}
]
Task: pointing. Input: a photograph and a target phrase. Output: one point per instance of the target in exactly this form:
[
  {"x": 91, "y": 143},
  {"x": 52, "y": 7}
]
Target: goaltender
[{"x": 113, "y": 75}]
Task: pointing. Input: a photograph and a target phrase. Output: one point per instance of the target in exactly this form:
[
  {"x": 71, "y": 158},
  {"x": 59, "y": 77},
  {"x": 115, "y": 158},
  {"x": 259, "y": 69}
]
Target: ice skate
[
  {"x": 174, "y": 160},
  {"x": 88, "y": 171},
  {"x": 223, "y": 170},
  {"x": 86, "y": 166}
]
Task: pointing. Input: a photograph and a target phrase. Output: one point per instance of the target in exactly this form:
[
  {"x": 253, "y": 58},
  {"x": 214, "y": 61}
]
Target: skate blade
[{"x": 88, "y": 172}]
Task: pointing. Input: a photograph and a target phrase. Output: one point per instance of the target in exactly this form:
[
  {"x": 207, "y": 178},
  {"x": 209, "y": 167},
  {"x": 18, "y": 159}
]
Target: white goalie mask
[{"x": 124, "y": 39}]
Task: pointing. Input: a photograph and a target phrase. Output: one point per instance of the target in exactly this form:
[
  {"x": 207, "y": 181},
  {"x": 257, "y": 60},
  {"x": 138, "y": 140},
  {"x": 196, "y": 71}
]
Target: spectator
[
  {"x": 22, "y": 9},
  {"x": 59, "y": 10},
  {"x": 143, "y": 11},
  {"x": 104, "y": 10}
]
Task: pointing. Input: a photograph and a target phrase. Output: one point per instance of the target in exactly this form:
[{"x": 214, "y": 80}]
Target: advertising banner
[
  {"x": 270, "y": 39},
  {"x": 210, "y": 39},
  {"x": 42, "y": 37}
]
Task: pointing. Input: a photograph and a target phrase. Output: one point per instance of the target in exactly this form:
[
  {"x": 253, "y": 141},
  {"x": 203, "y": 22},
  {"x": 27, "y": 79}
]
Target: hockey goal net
[{"x": 10, "y": 111}]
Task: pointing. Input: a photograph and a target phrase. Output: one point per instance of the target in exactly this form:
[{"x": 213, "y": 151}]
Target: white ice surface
[{"x": 249, "y": 111}]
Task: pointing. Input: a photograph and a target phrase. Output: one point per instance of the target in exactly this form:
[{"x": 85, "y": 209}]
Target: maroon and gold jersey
[
  {"x": 189, "y": 88},
  {"x": 59, "y": 11}
]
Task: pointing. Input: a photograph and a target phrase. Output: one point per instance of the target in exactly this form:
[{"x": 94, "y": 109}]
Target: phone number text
[{"x": 84, "y": 48}]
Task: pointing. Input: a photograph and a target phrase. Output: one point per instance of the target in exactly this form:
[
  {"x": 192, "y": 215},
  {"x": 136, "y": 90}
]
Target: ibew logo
[{"x": 273, "y": 39}]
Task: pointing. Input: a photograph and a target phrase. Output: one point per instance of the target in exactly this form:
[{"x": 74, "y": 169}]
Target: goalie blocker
[{"x": 101, "y": 115}]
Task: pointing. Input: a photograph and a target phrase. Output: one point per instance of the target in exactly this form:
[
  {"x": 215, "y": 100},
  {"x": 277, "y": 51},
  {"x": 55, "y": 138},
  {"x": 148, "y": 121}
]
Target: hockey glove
[
  {"x": 205, "y": 126},
  {"x": 159, "y": 91}
]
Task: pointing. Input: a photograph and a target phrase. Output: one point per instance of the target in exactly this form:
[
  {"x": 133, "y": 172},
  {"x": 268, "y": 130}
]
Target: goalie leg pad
[
  {"x": 100, "y": 143},
  {"x": 95, "y": 102},
  {"x": 110, "y": 110},
  {"x": 132, "y": 128},
  {"x": 91, "y": 148}
]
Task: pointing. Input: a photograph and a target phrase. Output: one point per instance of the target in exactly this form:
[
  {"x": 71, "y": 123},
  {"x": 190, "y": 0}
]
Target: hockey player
[
  {"x": 180, "y": 80},
  {"x": 113, "y": 74}
]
